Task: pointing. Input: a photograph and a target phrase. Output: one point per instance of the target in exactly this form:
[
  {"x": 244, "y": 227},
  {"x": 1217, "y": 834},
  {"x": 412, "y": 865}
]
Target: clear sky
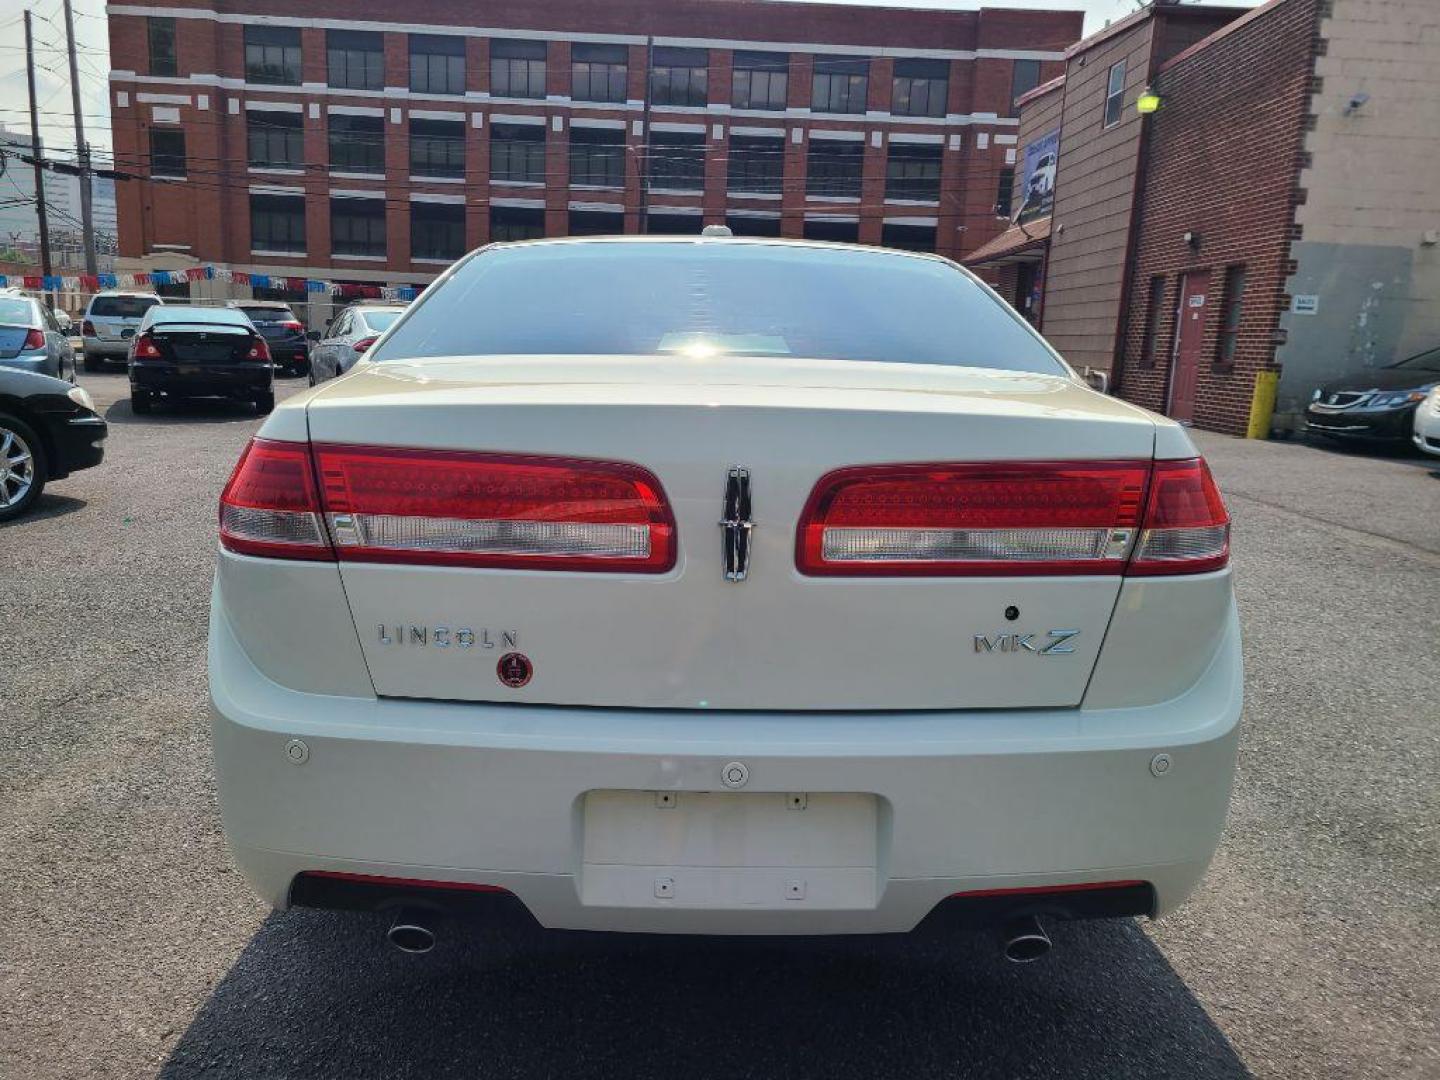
[{"x": 53, "y": 85}]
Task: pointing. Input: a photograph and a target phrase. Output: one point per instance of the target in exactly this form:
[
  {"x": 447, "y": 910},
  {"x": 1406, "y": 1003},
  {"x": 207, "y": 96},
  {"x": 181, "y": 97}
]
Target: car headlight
[
  {"x": 1396, "y": 397},
  {"x": 81, "y": 397}
]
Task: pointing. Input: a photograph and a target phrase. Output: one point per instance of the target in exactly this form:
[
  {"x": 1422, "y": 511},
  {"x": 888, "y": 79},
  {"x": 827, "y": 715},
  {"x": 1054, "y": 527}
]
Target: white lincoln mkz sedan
[{"x": 722, "y": 586}]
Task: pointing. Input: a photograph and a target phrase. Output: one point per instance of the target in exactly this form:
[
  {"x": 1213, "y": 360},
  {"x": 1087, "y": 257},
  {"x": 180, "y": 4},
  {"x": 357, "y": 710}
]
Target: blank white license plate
[{"x": 730, "y": 850}]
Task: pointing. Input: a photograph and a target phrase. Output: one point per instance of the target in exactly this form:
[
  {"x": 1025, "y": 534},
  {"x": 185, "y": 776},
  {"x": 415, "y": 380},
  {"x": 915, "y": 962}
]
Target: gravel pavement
[{"x": 129, "y": 947}]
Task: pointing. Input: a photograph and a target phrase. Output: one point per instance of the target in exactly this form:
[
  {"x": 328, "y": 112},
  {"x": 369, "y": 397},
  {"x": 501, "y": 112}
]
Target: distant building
[
  {"x": 1277, "y": 218},
  {"x": 377, "y": 145},
  {"x": 20, "y": 220}
]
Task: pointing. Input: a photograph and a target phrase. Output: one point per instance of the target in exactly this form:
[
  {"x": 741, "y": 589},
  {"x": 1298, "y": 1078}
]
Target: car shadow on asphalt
[
  {"x": 318, "y": 994},
  {"x": 200, "y": 411},
  {"x": 47, "y": 506}
]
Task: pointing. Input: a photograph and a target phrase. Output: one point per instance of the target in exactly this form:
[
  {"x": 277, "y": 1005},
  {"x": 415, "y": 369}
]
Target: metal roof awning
[{"x": 1017, "y": 244}]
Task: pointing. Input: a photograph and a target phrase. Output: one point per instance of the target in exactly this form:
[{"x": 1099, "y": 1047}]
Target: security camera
[{"x": 1357, "y": 99}]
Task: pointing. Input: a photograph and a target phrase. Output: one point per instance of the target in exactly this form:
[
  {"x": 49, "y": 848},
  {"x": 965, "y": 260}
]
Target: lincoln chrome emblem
[{"x": 737, "y": 524}]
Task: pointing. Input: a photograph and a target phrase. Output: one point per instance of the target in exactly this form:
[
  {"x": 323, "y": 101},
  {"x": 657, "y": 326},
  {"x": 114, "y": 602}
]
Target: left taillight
[
  {"x": 146, "y": 349},
  {"x": 258, "y": 350},
  {"x": 35, "y": 339},
  {"x": 271, "y": 505},
  {"x": 460, "y": 508}
]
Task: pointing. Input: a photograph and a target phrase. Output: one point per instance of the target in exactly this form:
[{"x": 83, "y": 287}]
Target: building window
[
  {"x": 277, "y": 223},
  {"x": 913, "y": 172},
  {"x": 659, "y": 223},
  {"x": 355, "y": 59},
  {"x": 517, "y": 153},
  {"x": 167, "y": 152},
  {"x": 517, "y": 68},
  {"x": 516, "y": 223},
  {"x": 437, "y": 230},
  {"x": 276, "y": 140},
  {"x": 908, "y": 237},
  {"x": 841, "y": 84},
  {"x": 1024, "y": 77},
  {"x": 834, "y": 168},
  {"x": 272, "y": 55},
  {"x": 836, "y": 232},
  {"x": 437, "y": 64},
  {"x": 357, "y": 144},
  {"x": 679, "y": 77},
  {"x": 599, "y": 72},
  {"x": 161, "y": 32},
  {"x": 677, "y": 161},
  {"x": 920, "y": 87},
  {"x": 1005, "y": 193},
  {"x": 596, "y": 223},
  {"x": 1231, "y": 306},
  {"x": 757, "y": 164},
  {"x": 1115, "y": 94},
  {"x": 761, "y": 81},
  {"x": 597, "y": 157},
  {"x": 749, "y": 225},
  {"x": 437, "y": 147},
  {"x": 1153, "y": 314},
  {"x": 357, "y": 226}
]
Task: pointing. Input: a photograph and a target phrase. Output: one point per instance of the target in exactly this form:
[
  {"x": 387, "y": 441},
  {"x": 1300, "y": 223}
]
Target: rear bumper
[
  {"x": 498, "y": 795},
  {"x": 106, "y": 350},
  {"x": 210, "y": 380}
]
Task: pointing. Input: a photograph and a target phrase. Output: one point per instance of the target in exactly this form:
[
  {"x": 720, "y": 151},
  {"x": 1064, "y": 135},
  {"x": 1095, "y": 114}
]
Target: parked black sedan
[
  {"x": 48, "y": 429},
  {"x": 283, "y": 332},
  {"x": 192, "y": 352},
  {"x": 1376, "y": 404}
]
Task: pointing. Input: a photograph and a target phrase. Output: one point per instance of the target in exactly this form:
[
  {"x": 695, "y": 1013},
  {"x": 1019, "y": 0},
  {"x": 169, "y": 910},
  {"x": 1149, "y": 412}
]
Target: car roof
[
  {"x": 729, "y": 241},
  {"x": 259, "y": 303}
]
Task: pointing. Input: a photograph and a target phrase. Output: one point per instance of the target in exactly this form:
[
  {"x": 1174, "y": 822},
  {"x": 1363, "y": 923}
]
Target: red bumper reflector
[
  {"x": 400, "y": 882},
  {"x": 1030, "y": 890}
]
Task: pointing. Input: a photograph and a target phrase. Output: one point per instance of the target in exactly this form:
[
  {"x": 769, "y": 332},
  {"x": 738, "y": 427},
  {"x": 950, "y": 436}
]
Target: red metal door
[{"x": 1189, "y": 341}]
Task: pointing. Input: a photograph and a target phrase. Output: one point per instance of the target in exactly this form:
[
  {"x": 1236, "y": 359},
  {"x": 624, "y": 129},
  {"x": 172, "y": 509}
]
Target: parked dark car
[
  {"x": 1376, "y": 404},
  {"x": 283, "y": 332},
  {"x": 192, "y": 352},
  {"x": 48, "y": 429}
]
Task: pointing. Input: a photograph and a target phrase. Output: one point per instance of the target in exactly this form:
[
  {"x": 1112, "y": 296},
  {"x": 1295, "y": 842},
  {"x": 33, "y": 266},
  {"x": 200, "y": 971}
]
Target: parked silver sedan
[
  {"x": 31, "y": 338},
  {"x": 349, "y": 335}
]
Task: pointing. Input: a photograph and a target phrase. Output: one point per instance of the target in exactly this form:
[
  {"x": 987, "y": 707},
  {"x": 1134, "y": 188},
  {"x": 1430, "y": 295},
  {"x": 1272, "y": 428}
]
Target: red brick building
[{"x": 314, "y": 142}]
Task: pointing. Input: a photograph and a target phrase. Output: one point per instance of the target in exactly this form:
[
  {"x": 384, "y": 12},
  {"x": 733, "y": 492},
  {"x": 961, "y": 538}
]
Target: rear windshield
[
  {"x": 259, "y": 315},
  {"x": 380, "y": 320},
  {"x": 203, "y": 315},
  {"x": 121, "y": 307},
  {"x": 14, "y": 309},
  {"x": 711, "y": 298}
]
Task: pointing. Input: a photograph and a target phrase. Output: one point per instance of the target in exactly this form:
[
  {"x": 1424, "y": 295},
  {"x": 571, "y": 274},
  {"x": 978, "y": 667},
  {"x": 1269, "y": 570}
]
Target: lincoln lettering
[{"x": 445, "y": 637}]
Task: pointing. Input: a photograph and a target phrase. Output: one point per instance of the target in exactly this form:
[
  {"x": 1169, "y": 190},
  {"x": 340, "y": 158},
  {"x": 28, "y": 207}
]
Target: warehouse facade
[{"x": 377, "y": 150}]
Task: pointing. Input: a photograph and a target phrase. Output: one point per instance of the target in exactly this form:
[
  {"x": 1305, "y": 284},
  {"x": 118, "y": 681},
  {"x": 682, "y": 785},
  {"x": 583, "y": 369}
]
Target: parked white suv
[
  {"x": 111, "y": 320},
  {"x": 722, "y": 586}
]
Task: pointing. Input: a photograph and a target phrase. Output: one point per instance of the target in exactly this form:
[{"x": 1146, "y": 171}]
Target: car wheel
[
  {"x": 23, "y": 469},
  {"x": 312, "y": 378},
  {"x": 142, "y": 402},
  {"x": 265, "y": 403}
]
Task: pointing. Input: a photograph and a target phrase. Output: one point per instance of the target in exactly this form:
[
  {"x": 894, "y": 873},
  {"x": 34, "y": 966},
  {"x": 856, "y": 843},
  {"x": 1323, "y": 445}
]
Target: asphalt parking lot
[{"x": 129, "y": 947}]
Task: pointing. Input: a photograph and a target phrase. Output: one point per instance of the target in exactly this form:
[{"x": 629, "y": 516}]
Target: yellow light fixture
[{"x": 1148, "y": 102}]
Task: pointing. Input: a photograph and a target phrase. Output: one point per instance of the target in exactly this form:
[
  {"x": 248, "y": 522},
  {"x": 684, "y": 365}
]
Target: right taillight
[
  {"x": 271, "y": 505},
  {"x": 363, "y": 344},
  {"x": 440, "y": 507},
  {"x": 87, "y": 328},
  {"x": 1186, "y": 528}
]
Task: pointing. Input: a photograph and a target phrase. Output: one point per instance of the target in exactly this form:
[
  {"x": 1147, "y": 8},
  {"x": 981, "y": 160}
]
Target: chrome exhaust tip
[
  {"x": 411, "y": 932},
  {"x": 1024, "y": 940}
]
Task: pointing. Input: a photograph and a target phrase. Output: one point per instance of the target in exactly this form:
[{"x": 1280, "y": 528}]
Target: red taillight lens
[
  {"x": 364, "y": 343},
  {"x": 146, "y": 349},
  {"x": 1187, "y": 528},
  {"x": 35, "y": 339},
  {"x": 271, "y": 506},
  {"x": 973, "y": 519},
  {"x": 293, "y": 325},
  {"x": 469, "y": 509},
  {"x": 1015, "y": 518},
  {"x": 258, "y": 351},
  {"x": 87, "y": 328}
]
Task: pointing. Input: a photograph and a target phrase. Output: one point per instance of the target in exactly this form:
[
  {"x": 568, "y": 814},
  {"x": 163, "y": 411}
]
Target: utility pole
[
  {"x": 35, "y": 153},
  {"x": 645, "y": 145},
  {"x": 82, "y": 148}
]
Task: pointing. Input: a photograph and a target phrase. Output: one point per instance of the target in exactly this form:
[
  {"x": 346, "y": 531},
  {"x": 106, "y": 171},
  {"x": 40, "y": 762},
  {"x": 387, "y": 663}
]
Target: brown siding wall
[
  {"x": 1094, "y": 187},
  {"x": 1223, "y": 162}
]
